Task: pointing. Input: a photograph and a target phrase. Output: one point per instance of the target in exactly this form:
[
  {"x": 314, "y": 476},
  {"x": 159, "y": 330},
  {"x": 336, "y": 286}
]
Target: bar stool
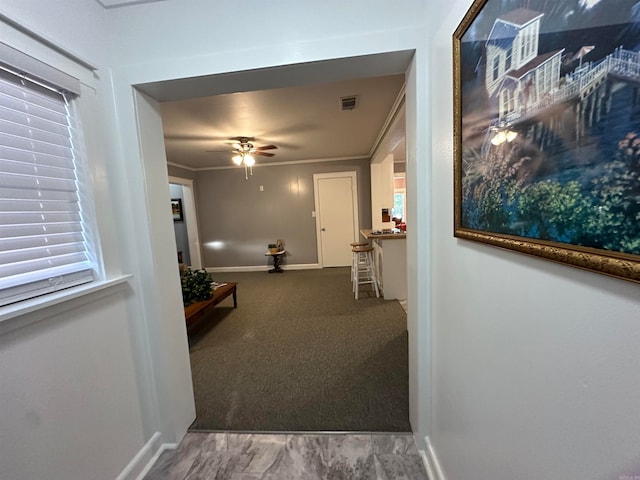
[
  {"x": 365, "y": 271},
  {"x": 354, "y": 260}
]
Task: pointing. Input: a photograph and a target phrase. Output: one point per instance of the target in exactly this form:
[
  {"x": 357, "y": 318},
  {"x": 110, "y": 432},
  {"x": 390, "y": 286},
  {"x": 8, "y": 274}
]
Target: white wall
[
  {"x": 76, "y": 401},
  {"x": 69, "y": 397},
  {"x": 535, "y": 365},
  {"x": 287, "y": 29},
  {"x": 381, "y": 189},
  {"x": 75, "y": 25}
]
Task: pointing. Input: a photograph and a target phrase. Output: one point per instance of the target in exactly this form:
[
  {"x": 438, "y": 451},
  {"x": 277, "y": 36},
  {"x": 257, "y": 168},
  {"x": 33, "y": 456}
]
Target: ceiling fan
[{"x": 244, "y": 151}]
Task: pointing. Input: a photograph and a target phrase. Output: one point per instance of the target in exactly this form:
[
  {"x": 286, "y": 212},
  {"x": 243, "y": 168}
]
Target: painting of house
[
  {"x": 550, "y": 109},
  {"x": 516, "y": 75}
]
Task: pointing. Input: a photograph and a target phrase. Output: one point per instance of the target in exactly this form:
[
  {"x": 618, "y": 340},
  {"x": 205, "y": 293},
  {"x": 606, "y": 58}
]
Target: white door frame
[
  {"x": 354, "y": 190},
  {"x": 191, "y": 220},
  {"x": 145, "y": 181}
]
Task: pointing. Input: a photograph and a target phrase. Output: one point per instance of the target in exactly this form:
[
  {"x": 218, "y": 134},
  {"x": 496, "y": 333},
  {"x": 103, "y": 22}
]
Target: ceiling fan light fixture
[{"x": 244, "y": 153}]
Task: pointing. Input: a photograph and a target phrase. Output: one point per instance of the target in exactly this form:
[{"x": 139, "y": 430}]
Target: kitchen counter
[
  {"x": 390, "y": 257},
  {"x": 370, "y": 235}
]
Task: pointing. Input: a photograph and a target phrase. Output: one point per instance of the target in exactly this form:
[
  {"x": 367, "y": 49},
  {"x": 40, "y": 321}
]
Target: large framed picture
[{"x": 547, "y": 130}]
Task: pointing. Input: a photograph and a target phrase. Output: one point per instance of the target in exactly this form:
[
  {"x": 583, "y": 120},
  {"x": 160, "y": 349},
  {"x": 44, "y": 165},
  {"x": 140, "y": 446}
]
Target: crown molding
[{"x": 272, "y": 164}]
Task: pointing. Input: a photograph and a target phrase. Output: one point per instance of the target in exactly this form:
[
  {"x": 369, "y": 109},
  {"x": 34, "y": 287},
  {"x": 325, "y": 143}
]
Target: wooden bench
[{"x": 193, "y": 312}]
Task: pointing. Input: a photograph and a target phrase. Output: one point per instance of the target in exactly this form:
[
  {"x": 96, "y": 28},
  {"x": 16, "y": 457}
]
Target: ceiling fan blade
[
  {"x": 264, "y": 154},
  {"x": 266, "y": 147}
]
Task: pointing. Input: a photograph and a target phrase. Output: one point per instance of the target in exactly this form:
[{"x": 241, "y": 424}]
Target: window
[
  {"x": 504, "y": 102},
  {"x": 399, "y": 197},
  {"x": 398, "y": 204},
  {"x": 507, "y": 61},
  {"x": 43, "y": 235},
  {"x": 496, "y": 67},
  {"x": 544, "y": 78},
  {"x": 529, "y": 42},
  {"x": 508, "y": 101}
]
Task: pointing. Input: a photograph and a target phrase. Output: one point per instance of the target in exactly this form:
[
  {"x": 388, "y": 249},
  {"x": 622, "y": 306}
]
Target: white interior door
[{"x": 336, "y": 217}]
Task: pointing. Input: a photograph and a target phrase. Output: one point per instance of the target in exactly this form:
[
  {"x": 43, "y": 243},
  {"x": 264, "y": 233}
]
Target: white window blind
[{"x": 42, "y": 234}]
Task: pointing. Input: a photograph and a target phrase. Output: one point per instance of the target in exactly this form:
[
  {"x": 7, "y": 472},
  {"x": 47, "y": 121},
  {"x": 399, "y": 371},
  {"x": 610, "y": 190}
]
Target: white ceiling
[
  {"x": 305, "y": 122},
  {"x": 294, "y": 106}
]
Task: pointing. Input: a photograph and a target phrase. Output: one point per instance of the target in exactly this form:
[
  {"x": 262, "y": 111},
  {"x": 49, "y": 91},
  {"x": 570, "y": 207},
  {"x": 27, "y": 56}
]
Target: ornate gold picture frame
[{"x": 547, "y": 131}]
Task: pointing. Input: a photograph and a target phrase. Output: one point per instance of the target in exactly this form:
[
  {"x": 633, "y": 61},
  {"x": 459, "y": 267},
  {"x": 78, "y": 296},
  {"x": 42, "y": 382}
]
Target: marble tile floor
[{"x": 249, "y": 456}]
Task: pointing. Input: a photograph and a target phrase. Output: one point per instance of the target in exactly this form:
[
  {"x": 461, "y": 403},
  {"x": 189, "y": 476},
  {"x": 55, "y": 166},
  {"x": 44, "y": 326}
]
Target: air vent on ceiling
[{"x": 349, "y": 103}]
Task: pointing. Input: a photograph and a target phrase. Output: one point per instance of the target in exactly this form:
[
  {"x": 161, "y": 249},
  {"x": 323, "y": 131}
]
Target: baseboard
[
  {"x": 431, "y": 462},
  {"x": 145, "y": 458},
  {"x": 263, "y": 268}
]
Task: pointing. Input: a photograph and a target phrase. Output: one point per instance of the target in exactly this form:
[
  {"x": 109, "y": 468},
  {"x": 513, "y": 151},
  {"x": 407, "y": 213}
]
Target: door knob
[{"x": 322, "y": 229}]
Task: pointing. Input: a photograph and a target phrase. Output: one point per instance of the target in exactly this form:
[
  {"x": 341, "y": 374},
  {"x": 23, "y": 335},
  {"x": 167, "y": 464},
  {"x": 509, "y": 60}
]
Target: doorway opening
[
  {"x": 186, "y": 226},
  {"x": 166, "y": 90}
]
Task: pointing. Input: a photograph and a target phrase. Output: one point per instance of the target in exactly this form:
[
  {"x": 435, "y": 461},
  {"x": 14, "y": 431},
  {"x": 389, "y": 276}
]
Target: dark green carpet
[{"x": 299, "y": 353}]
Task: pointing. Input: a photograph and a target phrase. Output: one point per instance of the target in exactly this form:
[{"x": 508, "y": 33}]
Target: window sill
[{"x": 24, "y": 313}]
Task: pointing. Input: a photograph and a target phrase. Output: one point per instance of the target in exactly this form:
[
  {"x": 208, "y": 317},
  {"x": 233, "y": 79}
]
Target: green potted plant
[{"x": 196, "y": 286}]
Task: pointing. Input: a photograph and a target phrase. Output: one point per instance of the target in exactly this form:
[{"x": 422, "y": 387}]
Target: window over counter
[
  {"x": 45, "y": 239},
  {"x": 399, "y": 197}
]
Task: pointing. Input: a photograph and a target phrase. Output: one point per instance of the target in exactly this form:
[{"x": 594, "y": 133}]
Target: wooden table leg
[{"x": 277, "y": 259}]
